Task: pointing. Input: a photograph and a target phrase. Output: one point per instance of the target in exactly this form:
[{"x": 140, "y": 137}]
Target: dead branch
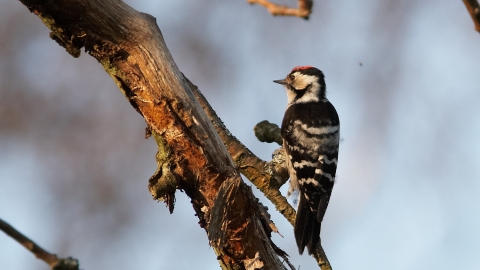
[
  {"x": 249, "y": 164},
  {"x": 191, "y": 155},
  {"x": 303, "y": 11},
  {"x": 256, "y": 170},
  {"x": 474, "y": 9},
  {"x": 51, "y": 259}
]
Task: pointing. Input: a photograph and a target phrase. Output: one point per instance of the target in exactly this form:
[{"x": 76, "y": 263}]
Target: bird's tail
[{"x": 307, "y": 227}]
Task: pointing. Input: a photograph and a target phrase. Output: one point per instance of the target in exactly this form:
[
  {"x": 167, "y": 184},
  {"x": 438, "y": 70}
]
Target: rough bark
[{"x": 191, "y": 155}]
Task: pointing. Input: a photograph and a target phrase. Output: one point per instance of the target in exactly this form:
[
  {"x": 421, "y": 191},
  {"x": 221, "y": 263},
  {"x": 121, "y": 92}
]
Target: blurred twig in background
[
  {"x": 51, "y": 259},
  {"x": 303, "y": 11}
]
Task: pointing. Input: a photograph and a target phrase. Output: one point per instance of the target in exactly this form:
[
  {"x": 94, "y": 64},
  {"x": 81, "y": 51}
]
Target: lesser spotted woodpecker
[{"x": 310, "y": 132}]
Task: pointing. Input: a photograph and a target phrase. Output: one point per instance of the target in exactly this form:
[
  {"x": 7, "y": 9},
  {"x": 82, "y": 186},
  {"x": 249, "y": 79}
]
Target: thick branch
[
  {"x": 191, "y": 154},
  {"x": 303, "y": 11},
  {"x": 51, "y": 259},
  {"x": 474, "y": 9}
]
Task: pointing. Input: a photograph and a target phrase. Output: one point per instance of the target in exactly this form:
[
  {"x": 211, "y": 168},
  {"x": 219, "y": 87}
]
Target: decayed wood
[{"x": 191, "y": 155}]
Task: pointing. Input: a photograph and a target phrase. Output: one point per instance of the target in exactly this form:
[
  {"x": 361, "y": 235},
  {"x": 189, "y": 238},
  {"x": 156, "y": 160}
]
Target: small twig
[
  {"x": 39, "y": 252},
  {"x": 51, "y": 259},
  {"x": 303, "y": 11},
  {"x": 474, "y": 9}
]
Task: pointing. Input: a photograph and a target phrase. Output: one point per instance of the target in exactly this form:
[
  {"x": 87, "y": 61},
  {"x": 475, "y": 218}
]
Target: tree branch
[
  {"x": 474, "y": 9},
  {"x": 51, "y": 259},
  {"x": 249, "y": 164},
  {"x": 191, "y": 155},
  {"x": 303, "y": 11},
  {"x": 256, "y": 170}
]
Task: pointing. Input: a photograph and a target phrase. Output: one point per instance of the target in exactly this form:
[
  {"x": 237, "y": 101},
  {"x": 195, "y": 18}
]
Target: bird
[{"x": 310, "y": 133}]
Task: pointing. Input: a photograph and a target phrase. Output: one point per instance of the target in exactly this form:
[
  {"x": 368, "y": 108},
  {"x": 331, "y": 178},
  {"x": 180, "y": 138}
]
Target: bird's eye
[{"x": 291, "y": 77}]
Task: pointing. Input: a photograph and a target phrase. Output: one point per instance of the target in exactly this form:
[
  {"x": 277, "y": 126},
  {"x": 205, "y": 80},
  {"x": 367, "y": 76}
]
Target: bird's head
[{"x": 304, "y": 84}]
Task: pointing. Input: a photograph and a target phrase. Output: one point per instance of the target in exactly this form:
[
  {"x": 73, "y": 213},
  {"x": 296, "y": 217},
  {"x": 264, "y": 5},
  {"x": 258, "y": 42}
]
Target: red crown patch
[{"x": 299, "y": 68}]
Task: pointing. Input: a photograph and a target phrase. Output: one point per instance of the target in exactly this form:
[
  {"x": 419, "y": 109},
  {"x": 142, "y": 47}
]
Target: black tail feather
[{"x": 307, "y": 228}]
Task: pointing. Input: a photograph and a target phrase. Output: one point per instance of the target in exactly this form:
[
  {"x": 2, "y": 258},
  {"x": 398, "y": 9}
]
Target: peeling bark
[{"x": 191, "y": 155}]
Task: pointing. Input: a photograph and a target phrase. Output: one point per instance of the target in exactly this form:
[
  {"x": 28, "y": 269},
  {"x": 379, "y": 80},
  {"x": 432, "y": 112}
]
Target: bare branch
[
  {"x": 191, "y": 156},
  {"x": 303, "y": 11},
  {"x": 256, "y": 170},
  {"x": 474, "y": 9},
  {"x": 250, "y": 165},
  {"x": 51, "y": 259}
]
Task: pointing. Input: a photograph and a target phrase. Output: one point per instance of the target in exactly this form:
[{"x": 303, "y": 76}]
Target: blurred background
[{"x": 403, "y": 75}]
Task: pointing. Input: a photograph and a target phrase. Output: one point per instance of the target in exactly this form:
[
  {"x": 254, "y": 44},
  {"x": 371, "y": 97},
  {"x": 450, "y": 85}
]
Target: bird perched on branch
[{"x": 310, "y": 132}]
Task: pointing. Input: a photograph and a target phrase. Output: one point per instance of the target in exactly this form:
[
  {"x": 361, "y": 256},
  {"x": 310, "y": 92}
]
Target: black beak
[{"x": 280, "y": 81}]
